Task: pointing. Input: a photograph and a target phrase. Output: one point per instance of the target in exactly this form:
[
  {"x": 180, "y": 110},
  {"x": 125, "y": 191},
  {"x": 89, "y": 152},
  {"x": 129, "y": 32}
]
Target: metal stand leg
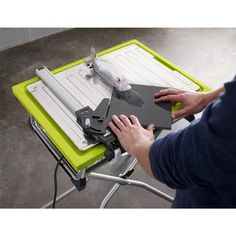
[
  {"x": 60, "y": 197},
  {"x": 109, "y": 195},
  {"x": 116, "y": 186},
  {"x": 131, "y": 182}
]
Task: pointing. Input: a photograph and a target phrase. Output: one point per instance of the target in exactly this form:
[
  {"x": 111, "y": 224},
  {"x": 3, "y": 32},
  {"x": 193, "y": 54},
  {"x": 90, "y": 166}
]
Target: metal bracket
[
  {"x": 80, "y": 184},
  {"x": 94, "y": 122}
]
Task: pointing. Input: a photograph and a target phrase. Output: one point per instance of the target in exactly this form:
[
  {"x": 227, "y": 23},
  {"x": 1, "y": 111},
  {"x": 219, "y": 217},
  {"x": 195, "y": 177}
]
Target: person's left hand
[{"x": 132, "y": 136}]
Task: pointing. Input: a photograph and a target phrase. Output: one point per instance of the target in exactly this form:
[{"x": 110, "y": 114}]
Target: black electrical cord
[{"x": 55, "y": 182}]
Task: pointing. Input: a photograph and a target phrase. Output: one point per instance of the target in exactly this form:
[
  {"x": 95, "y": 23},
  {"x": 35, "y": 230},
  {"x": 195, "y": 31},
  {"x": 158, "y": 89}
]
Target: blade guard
[{"x": 107, "y": 71}]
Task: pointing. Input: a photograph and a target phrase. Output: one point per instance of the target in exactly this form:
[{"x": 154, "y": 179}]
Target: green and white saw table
[{"x": 138, "y": 63}]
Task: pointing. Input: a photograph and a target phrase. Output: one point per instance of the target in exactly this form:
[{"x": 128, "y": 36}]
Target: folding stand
[{"x": 79, "y": 179}]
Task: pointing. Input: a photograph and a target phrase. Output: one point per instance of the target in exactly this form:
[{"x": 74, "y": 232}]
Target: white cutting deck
[{"x": 136, "y": 64}]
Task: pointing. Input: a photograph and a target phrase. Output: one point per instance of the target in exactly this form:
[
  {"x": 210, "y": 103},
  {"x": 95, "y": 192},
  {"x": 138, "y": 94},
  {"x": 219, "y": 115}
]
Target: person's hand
[
  {"x": 193, "y": 102},
  {"x": 131, "y": 135},
  {"x": 134, "y": 138}
]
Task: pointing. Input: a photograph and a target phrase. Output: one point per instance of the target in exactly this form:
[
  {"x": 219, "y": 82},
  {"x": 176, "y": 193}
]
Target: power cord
[{"x": 55, "y": 182}]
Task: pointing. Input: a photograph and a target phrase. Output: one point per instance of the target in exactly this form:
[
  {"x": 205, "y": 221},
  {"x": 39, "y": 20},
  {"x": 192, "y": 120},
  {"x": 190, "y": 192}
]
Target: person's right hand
[{"x": 193, "y": 102}]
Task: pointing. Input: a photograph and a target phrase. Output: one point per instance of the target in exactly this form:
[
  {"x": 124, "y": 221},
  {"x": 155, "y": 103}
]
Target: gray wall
[{"x": 11, "y": 37}]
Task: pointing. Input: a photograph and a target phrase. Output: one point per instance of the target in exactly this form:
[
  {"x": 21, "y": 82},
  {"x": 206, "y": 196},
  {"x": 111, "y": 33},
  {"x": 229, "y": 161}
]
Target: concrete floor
[{"x": 26, "y": 167}]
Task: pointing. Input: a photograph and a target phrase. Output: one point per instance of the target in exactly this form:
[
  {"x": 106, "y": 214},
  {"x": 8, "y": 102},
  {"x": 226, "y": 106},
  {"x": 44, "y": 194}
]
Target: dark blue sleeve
[{"x": 202, "y": 154}]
